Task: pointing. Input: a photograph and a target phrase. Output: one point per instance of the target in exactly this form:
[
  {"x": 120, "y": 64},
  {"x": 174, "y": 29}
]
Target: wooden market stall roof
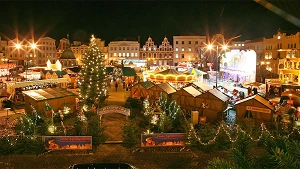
[
  {"x": 219, "y": 94},
  {"x": 202, "y": 86},
  {"x": 128, "y": 71},
  {"x": 48, "y": 93},
  {"x": 167, "y": 88},
  {"x": 147, "y": 85},
  {"x": 192, "y": 91},
  {"x": 258, "y": 98}
]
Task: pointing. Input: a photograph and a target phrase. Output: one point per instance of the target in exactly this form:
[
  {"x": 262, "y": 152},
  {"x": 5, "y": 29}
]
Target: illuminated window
[
  {"x": 149, "y": 49},
  {"x": 135, "y": 54},
  {"x": 176, "y": 56},
  {"x": 176, "y": 49},
  {"x": 182, "y": 49},
  {"x": 144, "y": 48},
  {"x": 115, "y": 54},
  {"x": 120, "y": 54},
  {"x": 124, "y": 55},
  {"x": 190, "y": 49},
  {"x": 127, "y": 54},
  {"x": 132, "y": 54},
  {"x": 243, "y": 44},
  {"x": 239, "y": 44},
  {"x": 154, "y": 48},
  {"x": 278, "y": 37},
  {"x": 234, "y": 44}
]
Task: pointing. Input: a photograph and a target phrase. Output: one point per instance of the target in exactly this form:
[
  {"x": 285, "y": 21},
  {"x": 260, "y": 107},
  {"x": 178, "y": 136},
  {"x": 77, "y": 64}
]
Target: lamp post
[
  {"x": 32, "y": 47},
  {"x": 210, "y": 47}
]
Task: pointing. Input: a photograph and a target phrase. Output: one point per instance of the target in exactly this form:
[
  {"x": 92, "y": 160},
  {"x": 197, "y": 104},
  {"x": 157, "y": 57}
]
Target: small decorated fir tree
[{"x": 92, "y": 78}]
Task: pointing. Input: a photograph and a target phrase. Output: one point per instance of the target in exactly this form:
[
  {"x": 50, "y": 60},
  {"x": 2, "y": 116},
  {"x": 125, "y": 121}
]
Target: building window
[
  {"x": 115, "y": 48},
  {"x": 132, "y": 54},
  {"x": 144, "y": 48},
  {"x": 111, "y": 48},
  {"x": 124, "y": 55},
  {"x": 190, "y": 42},
  {"x": 182, "y": 42},
  {"x": 127, "y": 48},
  {"x": 196, "y": 42},
  {"x": 120, "y": 48},
  {"x": 136, "y": 54},
  {"x": 176, "y": 56},
  {"x": 295, "y": 45},
  {"x": 243, "y": 44},
  {"x": 182, "y": 55},
  {"x": 176, "y": 42},
  {"x": 135, "y": 48},
  {"x": 176, "y": 49},
  {"x": 123, "y": 48},
  {"x": 120, "y": 54},
  {"x": 190, "y": 49},
  {"x": 182, "y": 49},
  {"x": 127, "y": 54}
]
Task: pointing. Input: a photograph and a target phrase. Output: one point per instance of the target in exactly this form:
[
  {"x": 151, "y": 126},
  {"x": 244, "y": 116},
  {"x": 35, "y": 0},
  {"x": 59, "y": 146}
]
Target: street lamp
[
  {"x": 210, "y": 47},
  {"x": 33, "y": 46}
]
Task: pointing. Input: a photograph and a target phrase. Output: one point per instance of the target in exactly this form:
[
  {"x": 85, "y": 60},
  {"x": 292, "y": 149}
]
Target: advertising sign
[
  {"x": 68, "y": 142},
  {"x": 162, "y": 139}
]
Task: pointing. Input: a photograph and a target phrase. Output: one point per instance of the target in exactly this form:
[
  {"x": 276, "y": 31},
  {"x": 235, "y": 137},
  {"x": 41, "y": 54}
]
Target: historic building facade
[
  {"x": 123, "y": 51},
  {"x": 31, "y": 53},
  {"x": 79, "y": 49},
  {"x": 163, "y": 55},
  {"x": 186, "y": 48}
]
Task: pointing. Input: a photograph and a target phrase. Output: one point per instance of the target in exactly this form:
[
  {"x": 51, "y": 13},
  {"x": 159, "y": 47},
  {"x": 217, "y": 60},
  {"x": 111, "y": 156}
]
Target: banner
[
  {"x": 68, "y": 142},
  {"x": 162, "y": 139}
]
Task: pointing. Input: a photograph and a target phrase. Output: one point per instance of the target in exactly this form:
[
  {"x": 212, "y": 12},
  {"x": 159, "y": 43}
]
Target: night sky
[{"x": 114, "y": 20}]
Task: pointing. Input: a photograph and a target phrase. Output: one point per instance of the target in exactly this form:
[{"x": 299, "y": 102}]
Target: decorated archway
[{"x": 113, "y": 109}]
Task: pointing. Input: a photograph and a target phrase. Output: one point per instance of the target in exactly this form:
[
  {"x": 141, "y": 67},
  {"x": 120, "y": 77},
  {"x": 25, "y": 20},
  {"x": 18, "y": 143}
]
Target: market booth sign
[
  {"x": 68, "y": 142},
  {"x": 162, "y": 139},
  {"x": 258, "y": 109}
]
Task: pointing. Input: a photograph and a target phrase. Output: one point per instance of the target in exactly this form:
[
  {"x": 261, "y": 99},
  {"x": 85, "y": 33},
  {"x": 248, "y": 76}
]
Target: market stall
[
  {"x": 186, "y": 98},
  {"x": 211, "y": 104},
  {"x": 164, "y": 88},
  {"x": 57, "y": 98},
  {"x": 141, "y": 89},
  {"x": 198, "y": 74},
  {"x": 254, "y": 109}
]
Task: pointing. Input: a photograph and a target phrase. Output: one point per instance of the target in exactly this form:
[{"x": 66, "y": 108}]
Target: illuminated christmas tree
[{"x": 92, "y": 78}]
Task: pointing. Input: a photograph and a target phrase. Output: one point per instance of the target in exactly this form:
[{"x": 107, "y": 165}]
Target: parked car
[{"x": 102, "y": 166}]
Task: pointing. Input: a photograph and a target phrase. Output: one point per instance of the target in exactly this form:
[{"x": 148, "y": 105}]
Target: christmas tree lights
[{"x": 92, "y": 77}]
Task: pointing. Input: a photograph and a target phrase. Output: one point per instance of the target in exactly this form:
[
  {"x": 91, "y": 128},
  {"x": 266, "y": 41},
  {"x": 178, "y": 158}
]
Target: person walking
[{"x": 116, "y": 86}]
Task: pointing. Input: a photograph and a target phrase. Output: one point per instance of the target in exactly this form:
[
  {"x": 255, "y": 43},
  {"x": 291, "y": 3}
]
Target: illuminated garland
[{"x": 238, "y": 129}]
